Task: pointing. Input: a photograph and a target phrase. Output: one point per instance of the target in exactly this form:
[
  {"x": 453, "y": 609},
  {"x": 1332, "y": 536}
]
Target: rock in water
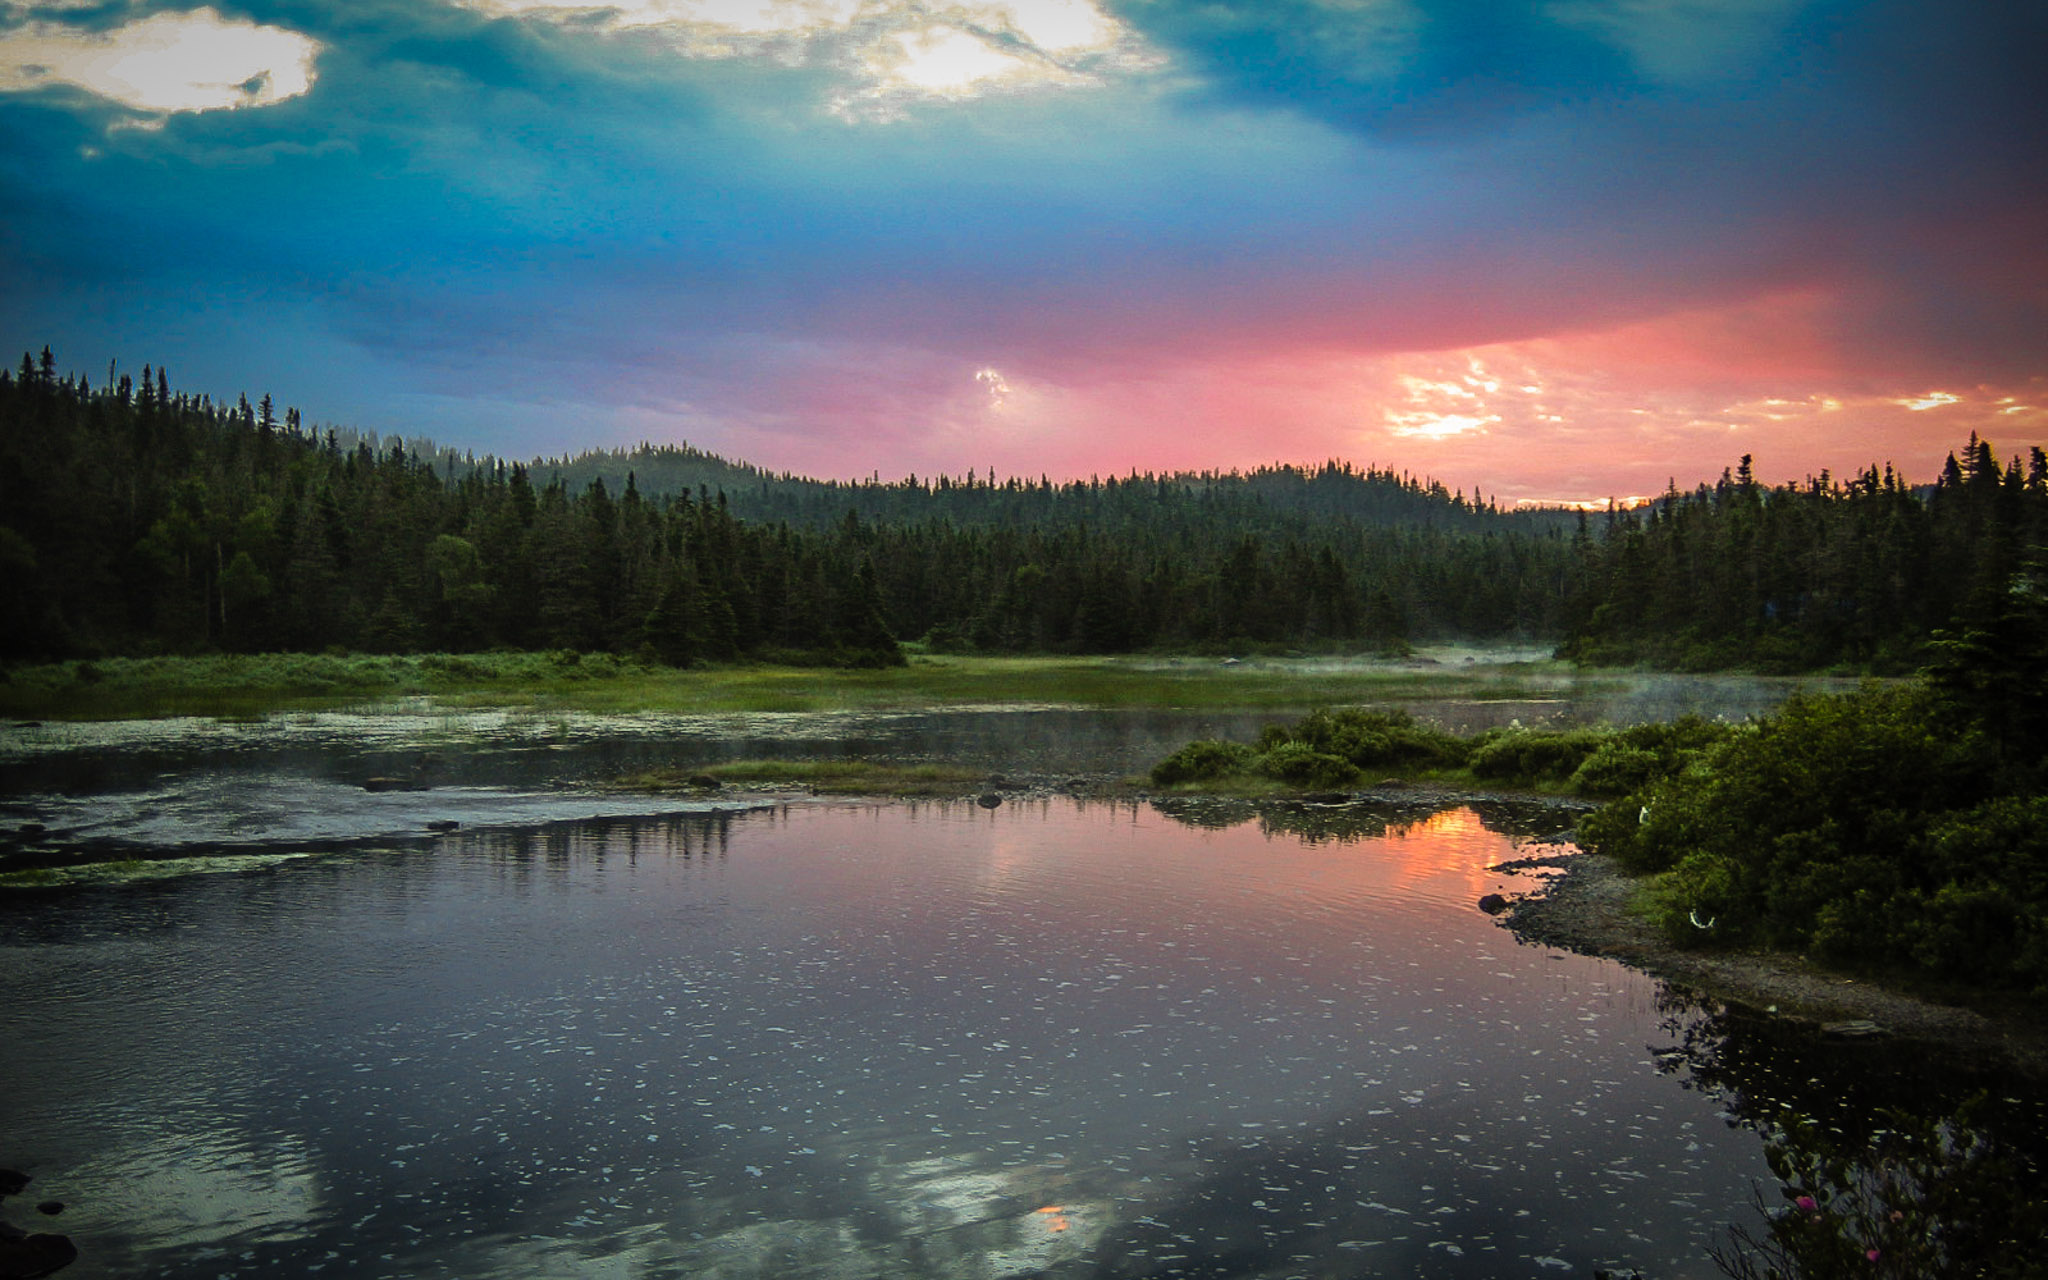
[
  {"x": 1493, "y": 904},
  {"x": 35, "y": 1256},
  {"x": 988, "y": 800}
]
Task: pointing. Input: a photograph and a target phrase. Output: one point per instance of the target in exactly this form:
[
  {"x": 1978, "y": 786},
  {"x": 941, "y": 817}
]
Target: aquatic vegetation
[
  {"x": 1333, "y": 748},
  {"x": 1923, "y": 1198},
  {"x": 242, "y": 685}
]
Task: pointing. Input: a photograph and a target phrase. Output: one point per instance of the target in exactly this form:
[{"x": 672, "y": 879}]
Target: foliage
[
  {"x": 1634, "y": 757},
  {"x": 1205, "y": 760},
  {"x": 1824, "y": 573},
  {"x": 1300, "y": 765},
  {"x": 1925, "y": 1200},
  {"x": 1369, "y": 739},
  {"x": 140, "y": 521},
  {"x": 1531, "y": 755},
  {"x": 1332, "y": 748},
  {"x": 1868, "y": 828}
]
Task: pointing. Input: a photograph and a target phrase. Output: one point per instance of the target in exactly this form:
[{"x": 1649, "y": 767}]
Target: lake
[{"x": 598, "y": 1035}]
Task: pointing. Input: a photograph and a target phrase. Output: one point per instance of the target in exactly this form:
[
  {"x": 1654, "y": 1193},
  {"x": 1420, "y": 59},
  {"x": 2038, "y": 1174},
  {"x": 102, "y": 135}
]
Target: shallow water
[
  {"x": 611, "y": 1035},
  {"x": 841, "y": 1040}
]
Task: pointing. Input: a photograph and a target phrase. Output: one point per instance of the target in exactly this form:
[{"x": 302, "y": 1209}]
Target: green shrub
[
  {"x": 1615, "y": 769},
  {"x": 1203, "y": 761},
  {"x": 1300, "y": 765},
  {"x": 1533, "y": 755},
  {"x": 1372, "y": 739}
]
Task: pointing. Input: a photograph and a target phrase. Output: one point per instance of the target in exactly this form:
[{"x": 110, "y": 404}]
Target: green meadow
[{"x": 249, "y": 685}]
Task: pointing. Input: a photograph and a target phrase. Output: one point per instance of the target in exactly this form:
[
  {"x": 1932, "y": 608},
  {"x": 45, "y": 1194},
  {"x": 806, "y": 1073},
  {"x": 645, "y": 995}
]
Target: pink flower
[
  {"x": 1872, "y": 1255},
  {"x": 1807, "y": 1203}
]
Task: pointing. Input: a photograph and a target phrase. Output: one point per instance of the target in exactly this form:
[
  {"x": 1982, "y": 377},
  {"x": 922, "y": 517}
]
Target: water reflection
[{"x": 1061, "y": 1038}]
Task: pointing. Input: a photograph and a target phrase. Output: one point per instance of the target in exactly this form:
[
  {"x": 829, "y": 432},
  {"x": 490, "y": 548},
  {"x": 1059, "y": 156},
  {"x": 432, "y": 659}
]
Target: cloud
[
  {"x": 1684, "y": 41},
  {"x": 889, "y": 51},
  {"x": 165, "y": 63}
]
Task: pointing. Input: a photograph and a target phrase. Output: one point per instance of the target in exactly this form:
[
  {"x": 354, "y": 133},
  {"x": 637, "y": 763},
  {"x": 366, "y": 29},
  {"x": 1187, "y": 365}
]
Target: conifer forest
[{"x": 139, "y": 519}]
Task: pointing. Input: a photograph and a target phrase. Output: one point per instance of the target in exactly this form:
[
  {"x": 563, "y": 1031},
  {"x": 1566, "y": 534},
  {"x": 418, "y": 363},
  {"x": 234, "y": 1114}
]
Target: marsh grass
[
  {"x": 136, "y": 870},
  {"x": 246, "y": 686}
]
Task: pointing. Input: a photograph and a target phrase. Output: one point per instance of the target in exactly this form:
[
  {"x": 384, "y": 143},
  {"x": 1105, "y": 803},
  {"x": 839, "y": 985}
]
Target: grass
[
  {"x": 240, "y": 686},
  {"x": 133, "y": 870}
]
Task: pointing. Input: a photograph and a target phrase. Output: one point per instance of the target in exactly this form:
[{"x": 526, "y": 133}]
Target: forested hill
[
  {"x": 135, "y": 519},
  {"x": 1828, "y": 572},
  {"x": 1274, "y": 499}
]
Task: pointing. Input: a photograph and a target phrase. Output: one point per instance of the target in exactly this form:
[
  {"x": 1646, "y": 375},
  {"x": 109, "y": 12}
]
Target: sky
[{"x": 1554, "y": 250}]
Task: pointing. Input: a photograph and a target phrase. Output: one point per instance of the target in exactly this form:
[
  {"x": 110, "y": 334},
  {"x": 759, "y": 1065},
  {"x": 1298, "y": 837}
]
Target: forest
[{"x": 137, "y": 519}]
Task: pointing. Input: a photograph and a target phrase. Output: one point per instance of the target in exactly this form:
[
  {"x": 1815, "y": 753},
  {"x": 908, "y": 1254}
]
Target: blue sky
[{"x": 1558, "y": 249}]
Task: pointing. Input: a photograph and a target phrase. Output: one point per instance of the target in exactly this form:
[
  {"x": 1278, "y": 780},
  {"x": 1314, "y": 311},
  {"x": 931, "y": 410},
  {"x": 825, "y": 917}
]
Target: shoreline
[{"x": 1587, "y": 908}]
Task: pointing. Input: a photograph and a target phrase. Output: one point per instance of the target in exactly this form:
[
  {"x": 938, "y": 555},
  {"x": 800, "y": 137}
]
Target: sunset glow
[{"x": 1592, "y": 250}]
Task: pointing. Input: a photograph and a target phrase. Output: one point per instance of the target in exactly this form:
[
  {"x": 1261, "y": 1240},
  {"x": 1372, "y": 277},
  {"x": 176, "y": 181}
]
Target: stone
[
  {"x": 988, "y": 800},
  {"x": 50, "y": 1208},
  {"x": 1493, "y": 904},
  {"x": 444, "y": 824},
  {"x": 35, "y": 1256},
  {"x": 12, "y": 1182}
]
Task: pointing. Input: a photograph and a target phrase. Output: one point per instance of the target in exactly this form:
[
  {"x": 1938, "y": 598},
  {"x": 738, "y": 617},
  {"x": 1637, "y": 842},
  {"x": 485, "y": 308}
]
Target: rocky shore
[{"x": 1587, "y": 908}]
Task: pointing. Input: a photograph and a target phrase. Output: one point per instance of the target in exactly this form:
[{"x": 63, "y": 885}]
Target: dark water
[
  {"x": 581, "y": 1037},
  {"x": 853, "y": 1041}
]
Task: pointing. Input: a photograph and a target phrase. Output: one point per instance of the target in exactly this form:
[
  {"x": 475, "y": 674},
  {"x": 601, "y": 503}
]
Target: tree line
[
  {"x": 139, "y": 519},
  {"x": 135, "y": 518},
  {"x": 1857, "y": 573}
]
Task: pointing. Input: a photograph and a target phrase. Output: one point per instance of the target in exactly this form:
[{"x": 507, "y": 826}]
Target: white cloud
[
  {"x": 1932, "y": 400},
  {"x": 697, "y": 17},
  {"x": 167, "y": 62},
  {"x": 896, "y": 49}
]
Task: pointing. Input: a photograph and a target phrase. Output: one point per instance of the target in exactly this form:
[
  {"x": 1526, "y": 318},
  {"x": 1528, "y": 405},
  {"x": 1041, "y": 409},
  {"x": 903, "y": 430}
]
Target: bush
[
  {"x": 1300, "y": 765},
  {"x": 1371, "y": 739},
  {"x": 1203, "y": 761},
  {"x": 1615, "y": 769},
  {"x": 1534, "y": 755}
]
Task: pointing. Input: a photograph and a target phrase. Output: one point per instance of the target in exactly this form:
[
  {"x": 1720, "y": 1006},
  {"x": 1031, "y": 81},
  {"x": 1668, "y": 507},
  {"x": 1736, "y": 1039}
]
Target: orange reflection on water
[{"x": 1449, "y": 849}]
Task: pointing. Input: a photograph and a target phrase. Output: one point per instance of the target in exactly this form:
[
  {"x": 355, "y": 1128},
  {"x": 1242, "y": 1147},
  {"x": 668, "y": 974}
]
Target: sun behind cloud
[
  {"x": 895, "y": 49},
  {"x": 165, "y": 63}
]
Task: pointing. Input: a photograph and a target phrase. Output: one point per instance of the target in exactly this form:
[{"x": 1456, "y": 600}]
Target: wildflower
[
  {"x": 1871, "y": 1254},
  {"x": 1807, "y": 1203}
]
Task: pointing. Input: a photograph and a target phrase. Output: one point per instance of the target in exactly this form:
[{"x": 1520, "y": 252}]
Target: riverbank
[
  {"x": 1589, "y": 908},
  {"x": 247, "y": 686}
]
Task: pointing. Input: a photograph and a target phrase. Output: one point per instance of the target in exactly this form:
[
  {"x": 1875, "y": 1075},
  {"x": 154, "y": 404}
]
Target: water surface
[{"x": 848, "y": 1040}]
